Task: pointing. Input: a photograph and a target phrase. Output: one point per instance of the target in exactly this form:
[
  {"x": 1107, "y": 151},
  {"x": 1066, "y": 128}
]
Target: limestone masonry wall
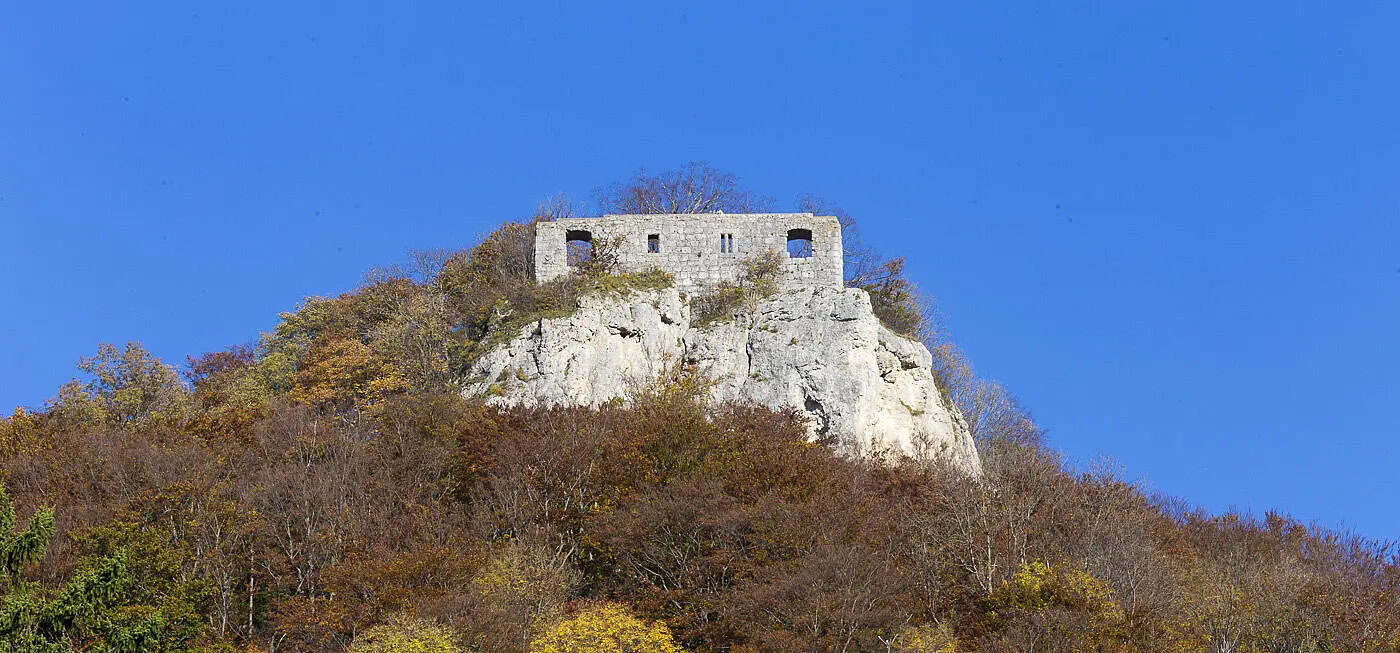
[{"x": 702, "y": 250}]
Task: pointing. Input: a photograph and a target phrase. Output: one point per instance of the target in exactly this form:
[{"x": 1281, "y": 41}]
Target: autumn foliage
[{"x": 328, "y": 489}]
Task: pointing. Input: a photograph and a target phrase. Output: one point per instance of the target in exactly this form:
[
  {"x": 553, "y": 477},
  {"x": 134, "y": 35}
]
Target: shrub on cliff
[{"x": 757, "y": 282}]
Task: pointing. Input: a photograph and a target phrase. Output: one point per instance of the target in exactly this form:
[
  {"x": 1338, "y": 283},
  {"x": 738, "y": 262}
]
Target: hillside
[{"x": 356, "y": 480}]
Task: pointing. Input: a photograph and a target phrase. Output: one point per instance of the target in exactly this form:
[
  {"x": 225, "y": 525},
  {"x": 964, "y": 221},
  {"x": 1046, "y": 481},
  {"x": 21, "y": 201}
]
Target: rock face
[{"x": 820, "y": 350}]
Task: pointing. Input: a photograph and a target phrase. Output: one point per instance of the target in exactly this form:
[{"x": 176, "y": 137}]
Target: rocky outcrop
[{"x": 820, "y": 350}]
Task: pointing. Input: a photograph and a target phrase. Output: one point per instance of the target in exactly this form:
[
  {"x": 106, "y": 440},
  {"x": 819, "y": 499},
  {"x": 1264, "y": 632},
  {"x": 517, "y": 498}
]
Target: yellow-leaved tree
[
  {"x": 928, "y": 638},
  {"x": 606, "y": 628},
  {"x": 404, "y": 634},
  {"x": 126, "y": 388},
  {"x": 1054, "y": 608}
]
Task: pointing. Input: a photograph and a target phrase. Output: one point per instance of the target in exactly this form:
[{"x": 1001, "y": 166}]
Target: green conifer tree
[
  {"x": 18, "y": 549},
  {"x": 84, "y": 611}
]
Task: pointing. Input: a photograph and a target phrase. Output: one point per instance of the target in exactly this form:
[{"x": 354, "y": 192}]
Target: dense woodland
[{"x": 326, "y": 488}]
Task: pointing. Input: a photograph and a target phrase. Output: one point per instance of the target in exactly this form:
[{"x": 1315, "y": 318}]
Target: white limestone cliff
[{"x": 820, "y": 350}]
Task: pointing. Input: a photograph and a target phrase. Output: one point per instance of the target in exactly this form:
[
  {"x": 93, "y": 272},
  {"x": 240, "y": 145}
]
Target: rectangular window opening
[
  {"x": 654, "y": 244},
  {"x": 578, "y": 247},
  {"x": 726, "y": 243},
  {"x": 799, "y": 244}
]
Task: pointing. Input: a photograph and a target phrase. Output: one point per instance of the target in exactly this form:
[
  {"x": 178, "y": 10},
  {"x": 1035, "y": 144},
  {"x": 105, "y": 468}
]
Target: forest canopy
[{"x": 327, "y": 488}]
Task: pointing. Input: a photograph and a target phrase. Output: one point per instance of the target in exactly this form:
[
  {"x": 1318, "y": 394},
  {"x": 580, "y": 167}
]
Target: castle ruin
[{"x": 700, "y": 250}]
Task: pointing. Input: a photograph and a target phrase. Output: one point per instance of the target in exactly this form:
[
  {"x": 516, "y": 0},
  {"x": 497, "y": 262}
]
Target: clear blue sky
[{"x": 1168, "y": 227}]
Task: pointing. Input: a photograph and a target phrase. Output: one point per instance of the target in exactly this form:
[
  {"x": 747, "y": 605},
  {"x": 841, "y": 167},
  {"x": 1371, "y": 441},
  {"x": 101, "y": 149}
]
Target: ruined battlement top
[{"x": 700, "y": 249}]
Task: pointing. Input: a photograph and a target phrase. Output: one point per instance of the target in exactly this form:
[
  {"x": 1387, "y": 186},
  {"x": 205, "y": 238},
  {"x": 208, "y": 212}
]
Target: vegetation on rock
[{"x": 758, "y": 281}]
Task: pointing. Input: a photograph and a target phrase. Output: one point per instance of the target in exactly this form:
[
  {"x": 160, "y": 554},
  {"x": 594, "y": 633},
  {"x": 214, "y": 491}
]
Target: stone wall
[{"x": 690, "y": 246}]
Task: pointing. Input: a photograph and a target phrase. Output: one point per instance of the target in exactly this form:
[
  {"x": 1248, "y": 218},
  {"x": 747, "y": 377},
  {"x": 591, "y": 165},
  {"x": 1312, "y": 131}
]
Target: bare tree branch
[{"x": 693, "y": 188}]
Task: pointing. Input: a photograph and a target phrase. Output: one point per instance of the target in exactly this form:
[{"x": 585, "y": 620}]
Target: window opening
[
  {"x": 654, "y": 244},
  {"x": 799, "y": 243},
  {"x": 578, "y": 246},
  {"x": 726, "y": 243}
]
